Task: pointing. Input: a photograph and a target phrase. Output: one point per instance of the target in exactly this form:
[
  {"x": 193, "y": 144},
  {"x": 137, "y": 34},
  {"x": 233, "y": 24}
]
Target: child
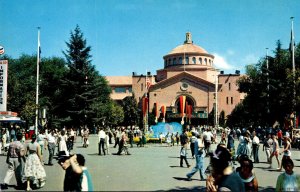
[{"x": 183, "y": 154}]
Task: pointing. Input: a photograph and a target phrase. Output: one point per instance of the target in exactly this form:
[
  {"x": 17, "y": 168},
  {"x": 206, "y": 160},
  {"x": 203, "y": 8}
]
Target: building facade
[{"x": 188, "y": 73}]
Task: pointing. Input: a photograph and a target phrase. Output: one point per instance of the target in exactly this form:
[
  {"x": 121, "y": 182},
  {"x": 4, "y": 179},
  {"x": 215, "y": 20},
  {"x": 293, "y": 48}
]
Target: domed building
[{"x": 186, "y": 89}]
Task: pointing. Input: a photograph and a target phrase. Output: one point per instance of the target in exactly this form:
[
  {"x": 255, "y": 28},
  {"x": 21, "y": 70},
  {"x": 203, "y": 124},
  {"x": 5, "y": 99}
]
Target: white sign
[{"x": 3, "y": 84}]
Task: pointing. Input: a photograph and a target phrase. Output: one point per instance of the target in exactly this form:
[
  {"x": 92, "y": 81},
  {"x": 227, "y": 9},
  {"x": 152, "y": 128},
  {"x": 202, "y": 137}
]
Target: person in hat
[
  {"x": 73, "y": 174},
  {"x": 15, "y": 162},
  {"x": 222, "y": 177},
  {"x": 34, "y": 171}
]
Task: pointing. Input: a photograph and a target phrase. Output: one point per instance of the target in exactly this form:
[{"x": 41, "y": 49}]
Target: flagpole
[
  {"x": 268, "y": 85},
  {"x": 37, "y": 83},
  {"x": 294, "y": 70}
]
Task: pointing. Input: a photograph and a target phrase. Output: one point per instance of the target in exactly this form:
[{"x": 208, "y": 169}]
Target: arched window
[
  {"x": 174, "y": 61},
  {"x": 194, "y": 60},
  {"x": 205, "y": 61},
  {"x": 200, "y": 60},
  {"x": 180, "y": 60},
  {"x": 186, "y": 60}
]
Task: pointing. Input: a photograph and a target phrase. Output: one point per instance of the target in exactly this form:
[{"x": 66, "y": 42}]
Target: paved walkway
[{"x": 151, "y": 168}]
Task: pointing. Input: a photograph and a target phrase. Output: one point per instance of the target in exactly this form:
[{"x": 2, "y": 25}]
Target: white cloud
[
  {"x": 220, "y": 62},
  {"x": 230, "y": 52}
]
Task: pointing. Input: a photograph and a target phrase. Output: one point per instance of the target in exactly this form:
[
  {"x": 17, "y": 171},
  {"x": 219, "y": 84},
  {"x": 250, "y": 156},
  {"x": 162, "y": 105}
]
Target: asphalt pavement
[{"x": 154, "y": 167}]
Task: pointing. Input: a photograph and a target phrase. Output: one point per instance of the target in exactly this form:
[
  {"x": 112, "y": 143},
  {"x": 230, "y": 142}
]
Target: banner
[
  {"x": 163, "y": 111},
  {"x": 3, "y": 84},
  {"x": 145, "y": 106},
  {"x": 156, "y": 112},
  {"x": 182, "y": 104}
]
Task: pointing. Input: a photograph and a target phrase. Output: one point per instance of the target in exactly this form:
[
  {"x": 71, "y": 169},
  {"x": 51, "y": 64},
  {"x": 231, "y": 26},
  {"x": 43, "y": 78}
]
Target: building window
[
  {"x": 142, "y": 86},
  {"x": 205, "y": 61},
  {"x": 231, "y": 100},
  {"x": 180, "y": 60},
  {"x": 229, "y": 86},
  {"x": 174, "y": 61},
  {"x": 200, "y": 60},
  {"x": 227, "y": 100},
  {"x": 130, "y": 89},
  {"x": 194, "y": 60},
  {"x": 186, "y": 60},
  {"x": 120, "y": 89},
  {"x": 169, "y": 62}
]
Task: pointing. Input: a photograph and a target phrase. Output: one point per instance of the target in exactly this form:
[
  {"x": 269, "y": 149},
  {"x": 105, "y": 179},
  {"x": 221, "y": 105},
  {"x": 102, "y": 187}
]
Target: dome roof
[{"x": 188, "y": 48}]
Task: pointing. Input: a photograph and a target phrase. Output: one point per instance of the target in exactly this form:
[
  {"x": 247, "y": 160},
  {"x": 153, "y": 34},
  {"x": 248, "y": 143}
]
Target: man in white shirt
[
  {"x": 102, "y": 137},
  {"x": 255, "y": 147},
  {"x": 51, "y": 146}
]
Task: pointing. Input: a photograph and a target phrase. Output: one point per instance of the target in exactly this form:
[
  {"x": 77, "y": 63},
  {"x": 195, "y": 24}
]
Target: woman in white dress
[
  {"x": 34, "y": 171},
  {"x": 62, "y": 145}
]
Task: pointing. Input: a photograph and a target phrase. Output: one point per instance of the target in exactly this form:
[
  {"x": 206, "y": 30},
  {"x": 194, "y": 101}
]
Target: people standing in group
[
  {"x": 289, "y": 180},
  {"x": 275, "y": 151},
  {"x": 286, "y": 149},
  {"x": 101, "y": 141},
  {"x": 255, "y": 147},
  {"x": 51, "y": 141},
  {"x": 123, "y": 143},
  {"x": 268, "y": 147},
  {"x": 223, "y": 177},
  {"x": 34, "y": 171},
  {"x": 199, "y": 154},
  {"x": 245, "y": 172},
  {"x": 15, "y": 160}
]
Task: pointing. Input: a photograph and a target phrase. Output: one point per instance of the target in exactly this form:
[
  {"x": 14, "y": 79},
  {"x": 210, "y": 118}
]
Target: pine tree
[{"x": 84, "y": 89}]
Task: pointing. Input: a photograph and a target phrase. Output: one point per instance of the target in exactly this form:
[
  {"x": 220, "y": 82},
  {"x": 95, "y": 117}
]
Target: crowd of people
[{"x": 25, "y": 159}]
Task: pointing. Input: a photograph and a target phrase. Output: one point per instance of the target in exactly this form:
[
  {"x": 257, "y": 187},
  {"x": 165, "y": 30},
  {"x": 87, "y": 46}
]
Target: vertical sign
[{"x": 3, "y": 84}]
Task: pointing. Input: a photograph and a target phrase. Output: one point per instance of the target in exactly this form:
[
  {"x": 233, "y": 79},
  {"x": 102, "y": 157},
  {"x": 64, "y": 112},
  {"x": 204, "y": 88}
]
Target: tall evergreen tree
[{"x": 84, "y": 89}]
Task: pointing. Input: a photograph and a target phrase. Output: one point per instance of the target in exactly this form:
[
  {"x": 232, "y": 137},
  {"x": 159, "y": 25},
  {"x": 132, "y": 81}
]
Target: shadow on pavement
[
  {"x": 266, "y": 189},
  {"x": 196, "y": 188}
]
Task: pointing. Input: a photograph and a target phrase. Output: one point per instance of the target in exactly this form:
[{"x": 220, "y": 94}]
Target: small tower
[{"x": 188, "y": 38}]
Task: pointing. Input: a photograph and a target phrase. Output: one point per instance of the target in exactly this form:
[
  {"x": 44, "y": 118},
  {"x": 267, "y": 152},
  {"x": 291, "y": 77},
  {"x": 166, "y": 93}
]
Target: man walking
[
  {"x": 199, "y": 153},
  {"x": 255, "y": 147},
  {"x": 51, "y": 146},
  {"x": 14, "y": 160},
  {"x": 102, "y": 137}
]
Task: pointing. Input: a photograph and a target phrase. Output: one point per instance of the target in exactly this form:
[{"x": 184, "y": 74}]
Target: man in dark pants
[
  {"x": 51, "y": 146},
  {"x": 102, "y": 136},
  {"x": 255, "y": 146}
]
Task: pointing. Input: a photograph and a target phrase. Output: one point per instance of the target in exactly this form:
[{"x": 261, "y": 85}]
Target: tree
[
  {"x": 130, "y": 108},
  {"x": 269, "y": 90},
  {"x": 84, "y": 89}
]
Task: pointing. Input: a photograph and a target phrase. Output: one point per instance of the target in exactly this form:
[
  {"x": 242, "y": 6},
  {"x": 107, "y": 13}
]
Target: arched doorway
[{"x": 189, "y": 101}]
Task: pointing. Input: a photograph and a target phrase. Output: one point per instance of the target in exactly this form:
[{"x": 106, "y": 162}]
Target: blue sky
[{"x": 133, "y": 35}]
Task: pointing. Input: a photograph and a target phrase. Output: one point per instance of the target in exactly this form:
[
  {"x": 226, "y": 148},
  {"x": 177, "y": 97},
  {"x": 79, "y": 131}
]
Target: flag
[
  {"x": 182, "y": 104},
  {"x": 292, "y": 41},
  {"x": 39, "y": 48},
  {"x": 148, "y": 82}
]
